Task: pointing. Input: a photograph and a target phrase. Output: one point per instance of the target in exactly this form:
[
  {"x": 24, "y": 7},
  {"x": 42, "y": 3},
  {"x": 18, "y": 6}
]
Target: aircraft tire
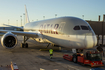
[
  {"x": 22, "y": 45},
  {"x": 26, "y": 45},
  {"x": 75, "y": 59}
]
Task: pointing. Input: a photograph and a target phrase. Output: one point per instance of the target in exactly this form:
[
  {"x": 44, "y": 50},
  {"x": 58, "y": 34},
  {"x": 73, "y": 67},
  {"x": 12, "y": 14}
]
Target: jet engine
[{"x": 9, "y": 40}]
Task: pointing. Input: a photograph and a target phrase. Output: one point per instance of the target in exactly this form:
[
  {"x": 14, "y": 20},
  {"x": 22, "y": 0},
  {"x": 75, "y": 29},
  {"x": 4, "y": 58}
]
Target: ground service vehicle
[{"x": 92, "y": 58}]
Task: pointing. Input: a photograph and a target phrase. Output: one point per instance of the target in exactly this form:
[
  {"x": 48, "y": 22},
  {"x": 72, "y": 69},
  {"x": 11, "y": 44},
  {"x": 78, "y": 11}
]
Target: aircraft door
[{"x": 61, "y": 26}]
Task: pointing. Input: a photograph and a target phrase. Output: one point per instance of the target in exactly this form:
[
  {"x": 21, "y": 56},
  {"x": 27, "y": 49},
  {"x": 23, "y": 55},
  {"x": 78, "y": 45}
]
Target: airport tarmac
[{"x": 33, "y": 59}]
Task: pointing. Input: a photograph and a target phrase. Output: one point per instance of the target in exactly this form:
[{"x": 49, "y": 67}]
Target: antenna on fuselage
[{"x": 26, "y": 15}]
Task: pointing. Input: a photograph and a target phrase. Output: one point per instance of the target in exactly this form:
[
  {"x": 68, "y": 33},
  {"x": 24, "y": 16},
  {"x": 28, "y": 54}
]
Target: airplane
[{"x": 69, "y": 32}]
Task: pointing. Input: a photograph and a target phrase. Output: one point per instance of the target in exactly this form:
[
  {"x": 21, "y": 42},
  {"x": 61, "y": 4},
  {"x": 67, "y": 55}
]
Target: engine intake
[{"x": 9, "y": 40}]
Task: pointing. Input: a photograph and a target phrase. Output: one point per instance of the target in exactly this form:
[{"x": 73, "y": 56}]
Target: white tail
[{"x": 26, "y": 15}]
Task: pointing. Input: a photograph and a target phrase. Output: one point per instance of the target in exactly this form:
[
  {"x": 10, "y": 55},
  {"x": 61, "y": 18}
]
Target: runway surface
[{"x": 33, "y": 59}]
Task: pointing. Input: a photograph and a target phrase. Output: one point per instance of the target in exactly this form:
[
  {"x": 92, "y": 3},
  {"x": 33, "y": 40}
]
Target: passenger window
[
  {"x": 76, "y": 28},
  {"x": 84, "y": 28}
]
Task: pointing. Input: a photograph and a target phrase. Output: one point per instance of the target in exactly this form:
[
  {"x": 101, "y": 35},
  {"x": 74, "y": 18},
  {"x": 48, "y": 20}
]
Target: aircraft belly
[
  {"x": 61, "y": 40},
  {"x": 69, "y": 41}
]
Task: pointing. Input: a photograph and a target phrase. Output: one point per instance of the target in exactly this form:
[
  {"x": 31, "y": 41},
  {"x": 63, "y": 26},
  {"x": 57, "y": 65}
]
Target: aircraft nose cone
[
  {"x": 95, "y": 40},
  {"x": 91, "y": 41}
]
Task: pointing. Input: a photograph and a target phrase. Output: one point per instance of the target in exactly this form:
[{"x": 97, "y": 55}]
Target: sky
[{"x": 11, "y": 10}]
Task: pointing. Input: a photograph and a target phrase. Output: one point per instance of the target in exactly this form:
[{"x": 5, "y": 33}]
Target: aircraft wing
[
  {"x": 13, "y": 26},
  {"x": 29, "y": 34}
]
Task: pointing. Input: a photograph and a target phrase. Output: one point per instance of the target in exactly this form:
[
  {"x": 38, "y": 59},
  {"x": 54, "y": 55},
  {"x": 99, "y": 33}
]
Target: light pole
[
  {"x": 21, "y": 20},
  {"x": 43, "y": 17},
  {"x": 8, "y": 21},
  {"x": 55, "y": 15},
  {"x": 17, "y": 22},
  {"x": 83, "y": 16}
]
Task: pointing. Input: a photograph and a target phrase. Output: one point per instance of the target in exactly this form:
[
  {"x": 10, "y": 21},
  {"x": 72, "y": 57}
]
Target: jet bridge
[{"x": 99, "y": 29}]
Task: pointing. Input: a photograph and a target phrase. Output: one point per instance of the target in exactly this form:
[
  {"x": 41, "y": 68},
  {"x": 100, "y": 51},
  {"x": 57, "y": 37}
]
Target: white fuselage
[{"x": 68, "y": 32}]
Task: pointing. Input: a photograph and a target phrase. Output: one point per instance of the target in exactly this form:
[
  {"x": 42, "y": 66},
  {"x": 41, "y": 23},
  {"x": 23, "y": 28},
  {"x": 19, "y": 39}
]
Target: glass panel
[
  {"x": 95, "y": 57},
  {"x": 76, "y": 28},
  {"x": 84, "y": 28}
]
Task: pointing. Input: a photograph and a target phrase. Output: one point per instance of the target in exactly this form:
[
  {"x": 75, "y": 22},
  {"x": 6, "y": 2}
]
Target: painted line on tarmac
[{"x": 73, "y": 67}]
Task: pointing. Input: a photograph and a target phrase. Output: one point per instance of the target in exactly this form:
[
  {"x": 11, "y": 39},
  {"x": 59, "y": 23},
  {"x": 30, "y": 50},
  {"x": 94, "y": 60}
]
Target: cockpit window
[
  {"x": 84, "y": 28},
  {"x": 89, "y": 28},
  {"x": 76, "y": 28}
]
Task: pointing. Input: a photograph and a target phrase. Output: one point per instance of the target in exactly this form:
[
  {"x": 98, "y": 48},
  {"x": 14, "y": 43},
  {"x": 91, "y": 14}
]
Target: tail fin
[{"x": 26, "y": 15}]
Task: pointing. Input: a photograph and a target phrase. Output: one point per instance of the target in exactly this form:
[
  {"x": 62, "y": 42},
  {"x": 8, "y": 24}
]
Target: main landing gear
[
  {"x": 47, "y": 45},
  {"x": 24, "y": 44}
]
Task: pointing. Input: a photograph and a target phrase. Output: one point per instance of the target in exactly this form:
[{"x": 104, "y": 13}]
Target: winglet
[{"x": 26, "y": 15}]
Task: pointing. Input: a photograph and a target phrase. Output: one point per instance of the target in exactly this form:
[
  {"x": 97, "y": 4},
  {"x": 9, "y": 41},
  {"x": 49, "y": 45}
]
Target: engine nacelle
[{"x": 9, "y": 40}]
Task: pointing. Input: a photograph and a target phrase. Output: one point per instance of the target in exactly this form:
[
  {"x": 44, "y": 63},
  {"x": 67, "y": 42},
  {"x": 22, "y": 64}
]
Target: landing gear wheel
[
  {"x": 26, "y": 45},
  {"x": 74, "y": 59},
  {"x": 22, "y": 45}
]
